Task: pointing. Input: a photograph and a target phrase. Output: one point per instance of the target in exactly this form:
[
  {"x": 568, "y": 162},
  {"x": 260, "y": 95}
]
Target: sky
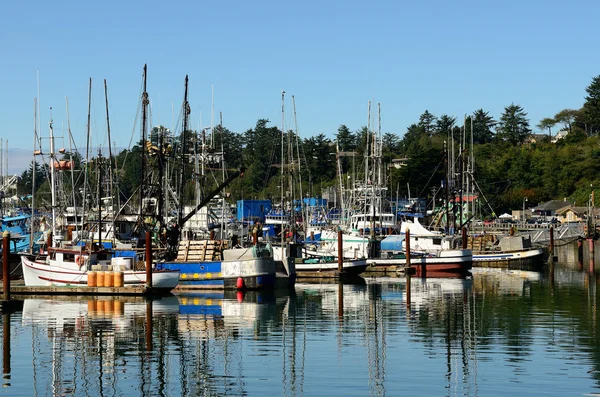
[{"x": 333, "y": 57}]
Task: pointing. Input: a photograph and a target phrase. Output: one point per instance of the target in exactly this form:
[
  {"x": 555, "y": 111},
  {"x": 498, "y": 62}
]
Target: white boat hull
[{"x": 38, "y": 273}]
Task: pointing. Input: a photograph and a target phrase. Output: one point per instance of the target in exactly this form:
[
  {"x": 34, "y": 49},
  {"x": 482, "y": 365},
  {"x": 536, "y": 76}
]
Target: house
[
  {"x": 572, "y": 214},
  {"x": 559, "y": 135},
  {"x": 549, "y": 208}
]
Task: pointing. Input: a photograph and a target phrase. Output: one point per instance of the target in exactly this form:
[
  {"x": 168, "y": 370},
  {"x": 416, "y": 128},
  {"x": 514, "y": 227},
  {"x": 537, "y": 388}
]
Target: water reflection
[{"x": 498, "y": 332}]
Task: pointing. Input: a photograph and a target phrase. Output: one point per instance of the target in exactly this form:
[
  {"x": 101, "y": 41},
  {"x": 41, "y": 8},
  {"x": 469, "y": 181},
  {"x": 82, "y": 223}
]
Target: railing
[{"x": 538, "y": 233}]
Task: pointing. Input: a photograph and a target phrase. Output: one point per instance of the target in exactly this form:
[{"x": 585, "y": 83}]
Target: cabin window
[{"x": 437, "y": 241}]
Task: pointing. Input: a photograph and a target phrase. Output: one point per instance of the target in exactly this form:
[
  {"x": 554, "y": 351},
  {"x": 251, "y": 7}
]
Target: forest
[{"x": 511, "y": 162}]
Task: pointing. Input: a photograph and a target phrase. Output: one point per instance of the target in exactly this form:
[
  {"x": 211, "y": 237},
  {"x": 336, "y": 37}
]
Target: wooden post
[
  {"x": 149, "y": 325},
  {"x": 464, "y": 238},
  {"x": 340, "y": 300},
  {"x": 408, "y": 277},
  {"x": 551, "y": 243},
  {"x": 212, "y": 234},
  {"x": 6, "y": 345},
  {"x": 592, "y": 254},
  {"x": 5, "y": 267},
  {"x": 340, "y": 251},
  {"x": 148, "y": 260},
  {"x": 580, "y": 254}
]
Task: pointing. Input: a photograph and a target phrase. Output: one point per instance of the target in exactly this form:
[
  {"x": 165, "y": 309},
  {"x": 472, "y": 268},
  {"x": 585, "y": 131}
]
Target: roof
[
  {"x": 576, "y": 210},
  {"x": 553, "y": 205}
]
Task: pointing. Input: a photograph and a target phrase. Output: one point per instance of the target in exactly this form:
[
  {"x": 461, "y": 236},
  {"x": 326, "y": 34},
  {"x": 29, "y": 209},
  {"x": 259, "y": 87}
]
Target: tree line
[{"x": 511, "y": 163}]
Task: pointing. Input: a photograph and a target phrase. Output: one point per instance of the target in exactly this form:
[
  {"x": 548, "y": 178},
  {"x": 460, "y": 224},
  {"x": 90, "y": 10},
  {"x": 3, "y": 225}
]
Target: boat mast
[
  {"x": 52, "y": 179},
  {"x": 282, "y": 175},
  {"x": 145, "y": 103},
  {"x": 34, "y": 166},
  {"x": 186, "y": 114},
  {"x": 87, "y": 149},
  {"x": 99, "y": 176},
  {"x": 110, "y": 166},
  {"x": 71, "y": 163}
]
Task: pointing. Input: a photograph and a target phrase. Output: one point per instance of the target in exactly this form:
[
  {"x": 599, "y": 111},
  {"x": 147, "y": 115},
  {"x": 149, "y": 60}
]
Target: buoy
[
  {"x": 240, "y": 296},
  {"x": 100, "y": 279},
  {"x": 91, "y": 279},
  {"x": 108, "y": 279},
  {"x": 118, "y": 279},
  {"x": 240, "y": 283}
]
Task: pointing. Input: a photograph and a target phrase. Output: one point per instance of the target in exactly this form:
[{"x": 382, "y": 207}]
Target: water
[{"x": 496, "y": 334}]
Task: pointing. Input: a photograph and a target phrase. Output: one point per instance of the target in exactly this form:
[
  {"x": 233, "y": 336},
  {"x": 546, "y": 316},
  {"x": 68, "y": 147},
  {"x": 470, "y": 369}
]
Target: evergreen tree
[
  {"x": 591, "y": 107},
  {"x": 483, "y": 125},
  {"x": 345, "y": 139},
  {"x": 444, "y": 125},
  {"x": 514, "y": 125},
  {"x": 427, "y": 121}
]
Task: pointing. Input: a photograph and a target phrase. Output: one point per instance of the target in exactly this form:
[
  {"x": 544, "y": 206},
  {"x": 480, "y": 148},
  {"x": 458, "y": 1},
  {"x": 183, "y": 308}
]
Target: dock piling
[
  {"x": 148, "y": 260},
  {"x": 5, "y": 267},
  {"x": 340, "y": 251}
]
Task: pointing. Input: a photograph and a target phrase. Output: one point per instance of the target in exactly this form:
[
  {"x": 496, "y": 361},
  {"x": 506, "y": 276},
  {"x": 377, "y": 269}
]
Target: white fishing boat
[{"x": 69, "y": 266}]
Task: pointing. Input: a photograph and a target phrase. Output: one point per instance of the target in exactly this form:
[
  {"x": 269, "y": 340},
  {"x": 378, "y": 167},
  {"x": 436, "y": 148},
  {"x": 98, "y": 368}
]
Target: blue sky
[{"x": 449, "y": 57}]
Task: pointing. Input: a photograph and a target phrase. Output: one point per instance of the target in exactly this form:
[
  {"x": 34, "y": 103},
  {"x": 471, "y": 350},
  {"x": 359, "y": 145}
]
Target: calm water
[{"x": 497, "y": 334}]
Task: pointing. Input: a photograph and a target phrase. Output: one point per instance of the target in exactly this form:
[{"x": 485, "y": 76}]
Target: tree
[
  {"x": 591, "y": 107},
  {"x": 514, "y": 125},
  {"x": 547, "y": 124},
  {"x": 566, "y": 117},
  {"x": 427, "y": 122},
  {"x": 444, "y": 124},
  {"x": 346, "y": 140},
  {"x": 483, "y": 124}
]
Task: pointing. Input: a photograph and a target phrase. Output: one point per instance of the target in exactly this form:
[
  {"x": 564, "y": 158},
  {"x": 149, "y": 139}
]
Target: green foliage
[
  {"x": 591, "y": 107},
  {"x": 514, "y": 125}
]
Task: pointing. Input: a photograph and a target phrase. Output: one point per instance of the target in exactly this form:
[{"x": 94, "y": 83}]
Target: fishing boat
[
  {"x": 70, "y": 266},
  {"x": 209, "y": 264},
  {"x": 297, "y": 255},
  {"x": 514, "y": 252}
]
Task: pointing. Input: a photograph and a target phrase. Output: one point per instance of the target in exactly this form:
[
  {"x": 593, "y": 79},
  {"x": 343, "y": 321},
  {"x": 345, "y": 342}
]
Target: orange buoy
[
  {"x": 92, "y": 306},
  {"x": 118, "y": 279},
  {"x": 92, "y": 279},
  {"x": 100, "y": 278},
  {"x": 108, "y": 307},
  {"x": 108, "y": 279}
]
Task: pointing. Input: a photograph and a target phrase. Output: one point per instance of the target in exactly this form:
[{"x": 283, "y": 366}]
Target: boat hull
[
  {"x": 448, "y": 262},
  {"x": 349, "y": 267},
  {"x": 517, "y": 260},
  {"x": 38, "y": 273},
  {"x": 256, "y": 273}
]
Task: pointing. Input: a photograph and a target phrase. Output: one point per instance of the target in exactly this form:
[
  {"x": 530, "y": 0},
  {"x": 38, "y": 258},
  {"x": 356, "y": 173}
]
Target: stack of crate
[{"x": 203, "y": 250}]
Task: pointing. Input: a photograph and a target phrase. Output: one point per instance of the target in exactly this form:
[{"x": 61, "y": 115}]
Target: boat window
[{"x": 437, "y": 241}]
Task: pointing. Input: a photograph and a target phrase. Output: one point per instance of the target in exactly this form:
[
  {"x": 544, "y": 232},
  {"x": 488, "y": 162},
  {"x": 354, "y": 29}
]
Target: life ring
[{"x": 80, "y": 260}]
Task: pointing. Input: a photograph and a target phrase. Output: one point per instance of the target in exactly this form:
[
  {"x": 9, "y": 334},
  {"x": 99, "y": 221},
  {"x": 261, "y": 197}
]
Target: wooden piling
[
  {"x": 464, "y": 238},
  {"x": 551, "y": 243},
  {"x": 408, "y": 277},
  {"x": 6, "y": 345},
  {"x": 149, "y": 325},
  {"x": 592, "y": 254},
  {"x": 340, "y": 251},
  {"x": 5, "y": 267},
  {"x": 340, "y": 300},
  {"x": 148, "y": 260}
]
